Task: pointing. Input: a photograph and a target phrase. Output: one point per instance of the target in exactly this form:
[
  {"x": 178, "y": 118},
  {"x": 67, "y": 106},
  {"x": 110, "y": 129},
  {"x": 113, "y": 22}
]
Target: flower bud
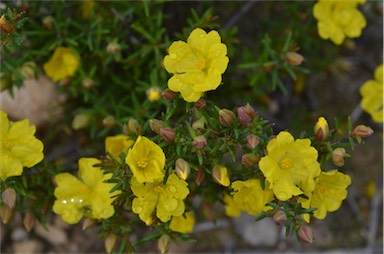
[
  {"x": 48, "y": 22},
  {"x": 109, "y": 243},
  {"x": 199, "y": 142},
  {"x": 81, "y": 121},
  {"x": 321, "y": 129},
  {"x": 220, "y": 175},
  {"x": 156, "y": 125},
  {"x": 28, "y": 70},
  {"x": 199, "y": 176},
  {"x": 250, "y": 159},
  {"x": 246, "y": 114},
  {"x": 5, "y": 26},
  {"x": 268, "y": 66},
  {"x": 200, "y": 104},
  {"x": 226, "y": 117},
  {"x": 362, "y": 131},
  {"x": 88, "y": 223},
  {"x": 9, "y": 197},
  {"x": 5, "y": 213},
  {"x": 294, "y": 58},
  {"x": 113, "y": 47},
  {"x": 168, "y": 94},
  {"x": 168, "y": 134},
  {"x": 182, "y": 168},
  {"x": 163, "y": 243},
  {"x": 252, "y": 141},
  {"x": 132, "y": 128},
  {"x": 87, "y": 83},
  {"x": 153, "y": 94},
  {"x": 109, "y": 121},
  {"x": 280, "y": 218},
  {"x": 338, "y": 156},
  {"x": 29, "y": 221},
  {"x": 305, "y": 234},
  {"x": 199, "y": 123}
]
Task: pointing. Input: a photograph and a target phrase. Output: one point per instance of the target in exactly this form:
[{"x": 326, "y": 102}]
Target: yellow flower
[
  {"x": 330, "y": 191},
  {"x": 63, "y": 64},
  {"x": 18, "y": 146},
  {"x": 339, "y": 19},
  {"x": 250, "y": 197},
  {"x": 183, "y": 223},
  {"x": 372, "y": 93},
  {"x": 117, "y": 144},
  {"x": 290, "y": 166},
  {"x": 197, "y": 64},
  {"x": 89, "y": 195},
  {"x": 231, "y": 208},
  {"x": 166, "y": 199},
  {"x": 146, "y": 160}
]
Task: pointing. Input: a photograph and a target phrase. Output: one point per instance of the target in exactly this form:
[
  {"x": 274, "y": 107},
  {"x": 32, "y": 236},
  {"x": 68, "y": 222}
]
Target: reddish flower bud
[
  {"x": 199, "y": 142},
  {"x": 250, "y": 159},
  {"x": 168, "y": 134},
  {"x": 305, "y": 234},
  {"x": 5, "y": 213},
  {"x": 156, "y": 125},
  {"x": 200, "y": 104},
  {"x": 199, "y": 176},
  {"x": 109, "y": 243},
  {"x": 9, "y": 197},
  {"x": 226, "y": 117},
  {"x": 29, "y": 221},
  {"x": 252, "y": 141},
  {"x": 321, "y": 129},
  {"x": 246, "y": 114},
  {"x": 88, "y": 223},
  {"x": 338, "y": 156},
  {"x": 294, "y": 58},
  {"x": 280, "y": 218},
  {"x": 132, "y": 128},
  {"x": 163, "y": 243},
  {"x": 5, "y": 25},
  {"x": 168, "y": 94},
  {"x": 362, "y": 131}
]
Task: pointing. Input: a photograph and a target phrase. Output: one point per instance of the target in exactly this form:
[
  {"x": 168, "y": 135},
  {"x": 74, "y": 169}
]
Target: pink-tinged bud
[
  {"x": 9, "y": 197},
  {"x": 199, "y": 124},
  {"x": 132, "y": 128},
  {"x": 156, "y": 125},
  {"x": 109, "y": 243},
  {"x": 87, "y": 83},
  {"x": 321, "y": 129},
  {"x": 250, "y": 159},
  {"x": 109, "y": 121},
  {"x": 200, "y": 104},
  {"x": 305, "y": 234},
  {"x": 163, "y": 243},
  {"x": 199, "y": 142},
  {"x": 280, "y": 218},
  {"x": 220, "y": 175},
  {"x": 168, "y": 134},
  {"x": 168, "y": 94},
  {"x": 81, "y": 121},
  {"x": 199, "y": 176},
  {"x": 362, "y": 131},
  {"x": 294, "y": 58},
  {"x": 48, "y": 22},
  {"x": 113, "y": 47},
  {"x": 252, "y": 141},
  {"x": 226, "y": 117},
  {"x": 5, "y": 26},
  {"x": 246, "y": 114},
  {"x": 182, "y": 168},
  {"x": 29, "y": 221},
  {"x": 338, "y": 156},
  {"x": 88, "y": 223},
  {"x": 5, "y": 213}
]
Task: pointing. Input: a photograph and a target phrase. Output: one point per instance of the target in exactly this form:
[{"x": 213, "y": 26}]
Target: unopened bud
[
  {"x": 280, "y": 218},
  {"x": 338, "y": 156},
  {"x": 199, "y": 123},
  {"x": 226, "y": 117},
  {"x": 28, "y": 70},
  {"x": 153, "y": 94},
  {"x": 305, "y": 234},
  {"x": 182, "y": 168},
  {"x": 163, "y": 243},
  {"x": 200, "y": 104},
  {"x": 220, "y": 175},
  {"x": 199, "y": 176},
  {"x": 5, "y": 25},
  {"x": 362, "y": 131},
  {"x": 246, "y": 114},
  {"x": 109, "y": 121},
  {"x": 88, "y": 223},
  {"x": 199, "y": 142},
  {"x": 109, "y": 243},
  {"x": 321, "y": 129},
  {"x": 156, "y": 125},
  {"x": 294, "y": 58},
  {"x": 87, "y": 83},
  {"x": 9, "y": 197},
  {"x": 168, "y": 134},
  {"x": 113, "y": 47},
  {"x": 5, "y": 213},
  {"x": 48, "y": 22},
  {"x": 168, "y": 94},
  {"x": 132, "y": 128},
  {"x": 250, "y": 159},
  {"x": 80, "y": 121},
  {"x": 29, "y": 221},
  {"x": 252, "y": 141}
]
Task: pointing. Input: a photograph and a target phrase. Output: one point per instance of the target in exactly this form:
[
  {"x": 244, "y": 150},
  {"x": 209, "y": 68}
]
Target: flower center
[
  {"x": 200, "y": 64},
  {"x": 142, "y": 163},
  {"x": 286, "y": 162},
  {"x": 321, "y": 188},
  {"x": 7, "y": 143},
  {"x": 158, "y": 189}
]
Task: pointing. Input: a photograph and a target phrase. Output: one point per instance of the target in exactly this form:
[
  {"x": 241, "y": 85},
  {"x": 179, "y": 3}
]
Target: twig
[
  {"x": 239, "y": 14},
  {"x": 374, "y": 216}
]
